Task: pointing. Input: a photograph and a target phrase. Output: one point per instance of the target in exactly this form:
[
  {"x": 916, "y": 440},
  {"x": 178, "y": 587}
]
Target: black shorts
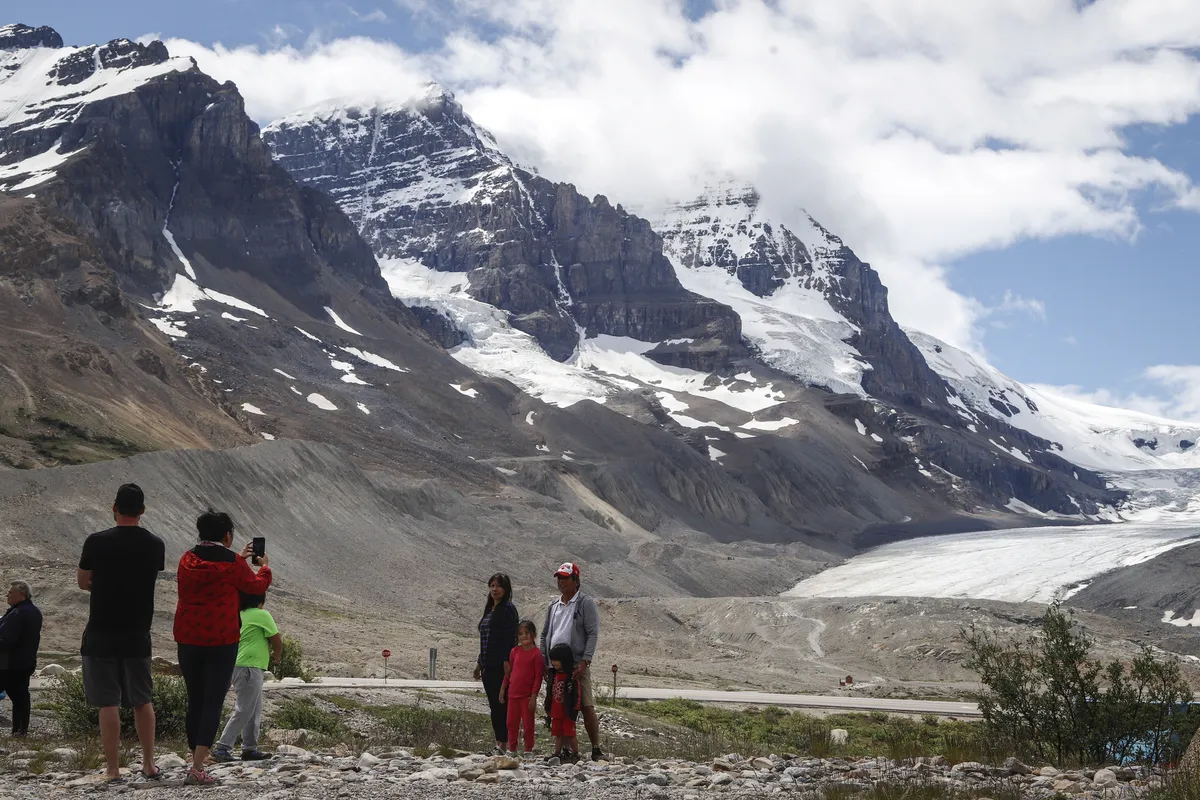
[{"x": 117, "y": 681}]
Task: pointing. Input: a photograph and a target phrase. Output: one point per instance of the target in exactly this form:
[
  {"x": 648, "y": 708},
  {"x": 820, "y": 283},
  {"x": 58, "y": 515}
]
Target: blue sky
[{"x": 1098, "y": 304}]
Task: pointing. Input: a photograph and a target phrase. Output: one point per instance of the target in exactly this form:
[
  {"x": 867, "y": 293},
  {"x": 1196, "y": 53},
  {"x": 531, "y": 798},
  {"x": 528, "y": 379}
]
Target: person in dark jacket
[
  {"x": 208, "y": 628},
  {"x": 20, "y": 638},
  {"x": 497, "y": 638}
]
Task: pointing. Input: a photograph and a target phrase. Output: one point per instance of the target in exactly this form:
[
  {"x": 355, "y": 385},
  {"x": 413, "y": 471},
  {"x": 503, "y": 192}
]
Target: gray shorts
[{"x": 111, "y": 682}]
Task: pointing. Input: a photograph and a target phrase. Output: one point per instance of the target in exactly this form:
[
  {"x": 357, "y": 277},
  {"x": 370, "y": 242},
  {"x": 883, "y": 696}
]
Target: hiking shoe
[
  {"x": 597, "y": 754},
  {"x": 198, "y": 778},
  {"x": 221, "y": 755},
  {"x": 256, "y": 755}
]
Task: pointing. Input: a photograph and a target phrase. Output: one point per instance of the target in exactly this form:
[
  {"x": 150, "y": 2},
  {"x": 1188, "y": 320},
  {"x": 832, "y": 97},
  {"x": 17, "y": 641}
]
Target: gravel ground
[{"x": 299, "y": 773}]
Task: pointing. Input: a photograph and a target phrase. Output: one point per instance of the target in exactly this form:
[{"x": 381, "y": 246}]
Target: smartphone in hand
[{"x": 258, "y": 546}]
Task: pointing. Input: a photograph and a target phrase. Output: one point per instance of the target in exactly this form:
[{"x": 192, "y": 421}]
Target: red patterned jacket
[{"x": 210, "y": 577}]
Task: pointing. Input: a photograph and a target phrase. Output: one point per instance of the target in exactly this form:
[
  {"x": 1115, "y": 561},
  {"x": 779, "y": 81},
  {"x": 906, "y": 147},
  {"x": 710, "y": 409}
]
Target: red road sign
[
  {"x": 614, "y": 669},
  {"x": 387, "y": 653}
]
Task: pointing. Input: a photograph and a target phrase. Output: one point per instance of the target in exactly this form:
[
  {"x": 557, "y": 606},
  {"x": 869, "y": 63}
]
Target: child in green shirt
[{"x": 260, "y": 645}]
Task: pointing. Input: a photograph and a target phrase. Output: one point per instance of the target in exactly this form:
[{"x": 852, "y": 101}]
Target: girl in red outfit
[
  {"x": 208, "y": 628},
  {"x": 562, "y": 704},
  {"x": 522, "y": 680}
]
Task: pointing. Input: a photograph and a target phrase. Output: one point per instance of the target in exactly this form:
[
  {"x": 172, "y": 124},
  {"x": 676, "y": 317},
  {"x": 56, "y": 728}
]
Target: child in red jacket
[{"x": 522, "y": 681}]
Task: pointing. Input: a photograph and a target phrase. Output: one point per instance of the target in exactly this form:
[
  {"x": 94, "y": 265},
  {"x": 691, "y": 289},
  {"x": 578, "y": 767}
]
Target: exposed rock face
[
  {"x": 424, "y": 183},
  {"x": 177, "y": 152},
  {"x": 21, "y": 37}
]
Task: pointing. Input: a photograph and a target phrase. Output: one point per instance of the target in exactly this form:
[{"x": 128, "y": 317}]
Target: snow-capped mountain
[
  {"x": 720, "y": 332},
  {"x": 425, "y": 184},
  {"x": 46, "y": 86},
  {"x": 780, "y": 283},
  {"x": 1107, "y": 439}
]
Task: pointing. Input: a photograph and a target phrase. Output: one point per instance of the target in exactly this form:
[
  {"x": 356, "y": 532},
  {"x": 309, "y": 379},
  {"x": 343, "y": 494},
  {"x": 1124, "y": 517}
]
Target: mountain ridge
[{"x": 474, "y": 215}]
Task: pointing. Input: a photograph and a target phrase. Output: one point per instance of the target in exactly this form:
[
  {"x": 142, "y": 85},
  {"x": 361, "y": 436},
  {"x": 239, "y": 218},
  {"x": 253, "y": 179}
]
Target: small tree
[{"x": 1050, "y": 695}]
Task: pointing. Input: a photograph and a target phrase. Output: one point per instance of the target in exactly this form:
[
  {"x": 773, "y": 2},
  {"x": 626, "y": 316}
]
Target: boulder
[
  {"x": 1104, "y": 779},
  {"x": 278, "y": 736},
  {"x": 839, "y": 736},
  {"x": 52, "y": 670},
  {"x": 505, "y": 762},
  {"x": 291, "y": 751},
  {"x": 367, "y": 761},
  {"x": 170, "y": 761},
  {"x": 1015, "y": 767}
]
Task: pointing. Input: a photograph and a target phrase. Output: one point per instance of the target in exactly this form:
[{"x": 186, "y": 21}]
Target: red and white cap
[{"x": 567, "y": 569}]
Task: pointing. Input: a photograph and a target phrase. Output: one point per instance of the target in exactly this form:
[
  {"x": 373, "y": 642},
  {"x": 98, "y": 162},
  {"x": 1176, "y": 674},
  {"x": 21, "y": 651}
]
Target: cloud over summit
[{"x": 917, "y": 131}]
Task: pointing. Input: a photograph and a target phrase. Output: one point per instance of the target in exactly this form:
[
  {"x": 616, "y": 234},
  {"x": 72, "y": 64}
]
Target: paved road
[{"x": 847, "y": 702}]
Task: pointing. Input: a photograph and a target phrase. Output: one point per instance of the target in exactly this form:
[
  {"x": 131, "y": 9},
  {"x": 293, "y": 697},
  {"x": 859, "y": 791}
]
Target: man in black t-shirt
[{"x": 119, "y": 567}]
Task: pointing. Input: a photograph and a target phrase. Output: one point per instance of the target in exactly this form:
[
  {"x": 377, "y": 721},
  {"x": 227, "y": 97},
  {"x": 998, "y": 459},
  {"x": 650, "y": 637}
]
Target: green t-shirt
[{"x": 257, "y": 627}]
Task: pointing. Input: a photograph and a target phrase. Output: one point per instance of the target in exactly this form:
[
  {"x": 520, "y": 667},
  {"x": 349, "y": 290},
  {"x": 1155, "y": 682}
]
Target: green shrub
[
  {"x": 67, "y": 703},
  {"x": 291, "y": 662},
  {"x": 295, "y": 713},
  {"x": 758, "y": 730},
  {"x": 413, "y": 726},
  {"x": 1050, "y": 695}
]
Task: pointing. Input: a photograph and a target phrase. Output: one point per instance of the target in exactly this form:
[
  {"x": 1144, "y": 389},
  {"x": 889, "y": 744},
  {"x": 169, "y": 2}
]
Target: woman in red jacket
[{"x": 208, "y": 628}]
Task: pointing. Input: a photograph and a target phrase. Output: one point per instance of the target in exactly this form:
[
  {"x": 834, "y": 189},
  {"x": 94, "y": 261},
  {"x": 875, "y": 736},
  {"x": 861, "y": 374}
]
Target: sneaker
[
  {"x": 198, "y": 778},
  {"x": 221, "y": 755},
  {"x": 498, "y": 750},
  {"x": 570, "y": 758},
  {"x": 597, "y": 754},
  {"x": 511, "y": 753},
  {"x": 256, "y": 755},
  {"x": 528, "y": 755}
]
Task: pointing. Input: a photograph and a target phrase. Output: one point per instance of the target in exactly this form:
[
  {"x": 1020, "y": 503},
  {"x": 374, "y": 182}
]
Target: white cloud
[
  {"x": 1171, "y": 391},
  {"x": 1016, "y": 304},
  {"x": 282, "y": 79},
  {"x": 917, "y": 131}
]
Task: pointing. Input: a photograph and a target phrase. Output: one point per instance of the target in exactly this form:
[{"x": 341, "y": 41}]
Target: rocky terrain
[{"x": 397, "y": 772}]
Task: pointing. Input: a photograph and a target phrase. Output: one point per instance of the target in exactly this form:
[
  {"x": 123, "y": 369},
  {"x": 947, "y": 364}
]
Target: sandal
[
  {"x": 157, "y": 776},
  {"x": 198, "y": 778}
]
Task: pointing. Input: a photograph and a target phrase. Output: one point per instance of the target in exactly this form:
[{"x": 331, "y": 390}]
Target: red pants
[{"x": 519, "y": 713}]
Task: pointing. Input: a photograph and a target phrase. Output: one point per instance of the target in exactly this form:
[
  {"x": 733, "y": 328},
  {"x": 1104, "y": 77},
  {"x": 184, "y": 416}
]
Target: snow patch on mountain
[
  {"x": 720, "y": 242},
  {"x": 1092, "y": 436},
  {"x": 601, "y": 366}
]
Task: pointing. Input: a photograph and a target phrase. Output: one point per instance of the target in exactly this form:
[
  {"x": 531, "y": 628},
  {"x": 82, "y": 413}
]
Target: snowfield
[
  {"x": 1020, "y": 565},
  {"x": 1092, "y": 436}
]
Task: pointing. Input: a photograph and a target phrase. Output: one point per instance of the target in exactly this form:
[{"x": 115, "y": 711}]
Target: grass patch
[
  {"x": 1182, "y": 784},
  {"x": 771, "y": 729},
  {"x": 64, "y": 698},
  {"x": 445, "y": 729},
  {"x": 295, "y": 713}
]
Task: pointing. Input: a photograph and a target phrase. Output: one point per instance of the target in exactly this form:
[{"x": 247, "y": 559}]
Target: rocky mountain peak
[
  {"x": 22, "y": 37},
  {"x": 424, "y": 183}
]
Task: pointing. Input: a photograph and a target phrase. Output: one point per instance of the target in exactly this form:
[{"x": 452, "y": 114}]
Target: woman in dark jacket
[
  {"x": 497, "y": 638},
  {"x": 208, "y": 628}
]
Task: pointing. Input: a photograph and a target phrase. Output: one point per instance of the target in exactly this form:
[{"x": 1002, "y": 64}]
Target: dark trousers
[
  {"x": 16, "y": 683},
  {"x": 207, "y": 672},
  {"x": 493, "y": 678}
]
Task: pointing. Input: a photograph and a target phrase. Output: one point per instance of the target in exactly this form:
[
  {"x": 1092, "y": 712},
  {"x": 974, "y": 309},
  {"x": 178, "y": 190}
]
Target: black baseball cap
[{"x": 131, "y": 500}]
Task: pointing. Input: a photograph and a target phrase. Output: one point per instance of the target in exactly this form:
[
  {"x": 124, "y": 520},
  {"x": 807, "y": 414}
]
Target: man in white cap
[{"x": 574, "y": 620}]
